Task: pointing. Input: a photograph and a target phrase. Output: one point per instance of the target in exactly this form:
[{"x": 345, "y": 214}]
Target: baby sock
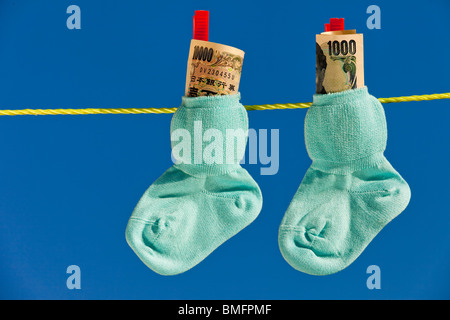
[
  {"x": 197, "y": 205},
  {"x": 349, "y": 193}
]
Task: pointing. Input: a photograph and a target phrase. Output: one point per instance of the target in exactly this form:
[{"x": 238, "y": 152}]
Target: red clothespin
[
  {"x": 201, "y": 25},
  {"x": 336, "y": 24}
]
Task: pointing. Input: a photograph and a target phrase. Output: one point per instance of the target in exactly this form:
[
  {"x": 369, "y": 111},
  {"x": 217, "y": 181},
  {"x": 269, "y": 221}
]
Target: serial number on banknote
[{"x": 217, "y": 73}]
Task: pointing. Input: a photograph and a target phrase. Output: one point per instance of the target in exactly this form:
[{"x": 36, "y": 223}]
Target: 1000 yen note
[
  {"x": 339, "y": 61},
  {"x": 213, "y": 69}
]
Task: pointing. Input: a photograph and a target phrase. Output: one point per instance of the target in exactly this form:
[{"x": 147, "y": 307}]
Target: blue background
[{"x": 68, "y": 184}]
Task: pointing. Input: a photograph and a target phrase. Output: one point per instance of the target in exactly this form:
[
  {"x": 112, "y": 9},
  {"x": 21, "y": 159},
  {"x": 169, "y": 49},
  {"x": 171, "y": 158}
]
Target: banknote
[
  {"x": 213, "y": 69},
  {"x": 339, "y": 61}
]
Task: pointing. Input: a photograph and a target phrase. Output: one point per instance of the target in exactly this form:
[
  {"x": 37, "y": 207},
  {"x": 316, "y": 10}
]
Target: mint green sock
[
  {"x": 349, "y": 193},
  {"x": 194, "y": 207}
]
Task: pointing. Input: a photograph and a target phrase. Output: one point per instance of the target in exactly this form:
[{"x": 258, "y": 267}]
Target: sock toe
[
  {"x": 144, "y": 244},
  {"x": 306, "y": 251},
  {"x": 158, "y": 242}
]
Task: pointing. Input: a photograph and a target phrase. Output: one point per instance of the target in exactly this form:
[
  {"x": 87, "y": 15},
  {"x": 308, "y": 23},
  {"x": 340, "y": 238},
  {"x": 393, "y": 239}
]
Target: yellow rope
[{"x": 36, "y": 112}]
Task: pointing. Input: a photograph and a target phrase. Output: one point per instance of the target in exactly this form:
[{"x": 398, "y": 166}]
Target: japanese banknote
[
  {"x": 213, "y": 69},
  {"x": 339, "y": 61}
]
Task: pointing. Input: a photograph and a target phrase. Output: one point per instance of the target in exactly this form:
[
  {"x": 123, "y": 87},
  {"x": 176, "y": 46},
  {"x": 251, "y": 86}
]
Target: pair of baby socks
[{"x": 347, "y": 196}]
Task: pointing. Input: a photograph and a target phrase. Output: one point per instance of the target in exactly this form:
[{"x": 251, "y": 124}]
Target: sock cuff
[
  {"x": 345, "y": 127},
  {"x": 209, "y": 134},
  {"x": 345, "y": 168},
  {"x": 207, "y": 170},
  {"x": 343, "y": 97},
  {"x": 211, "y": 101}
]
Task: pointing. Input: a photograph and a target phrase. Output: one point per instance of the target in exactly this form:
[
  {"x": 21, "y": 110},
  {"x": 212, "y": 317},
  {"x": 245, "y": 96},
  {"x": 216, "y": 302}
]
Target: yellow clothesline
[{"x": 86, "y": 111}]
